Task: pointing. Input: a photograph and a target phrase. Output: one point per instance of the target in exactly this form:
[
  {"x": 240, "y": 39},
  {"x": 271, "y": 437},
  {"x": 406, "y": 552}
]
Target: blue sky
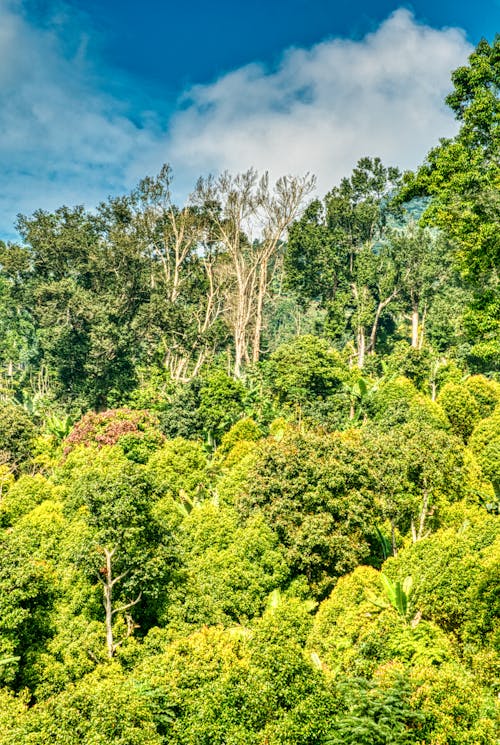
[
  {"x": 176, "y": 44},
  {"x": 96, "y": 94}
]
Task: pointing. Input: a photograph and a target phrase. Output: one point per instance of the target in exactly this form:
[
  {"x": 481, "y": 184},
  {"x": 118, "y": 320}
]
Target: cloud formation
[
  {"x": 66, "y": 139},
  {"x": 323, "y": 108},
  {"x": 63, "y": 140}
]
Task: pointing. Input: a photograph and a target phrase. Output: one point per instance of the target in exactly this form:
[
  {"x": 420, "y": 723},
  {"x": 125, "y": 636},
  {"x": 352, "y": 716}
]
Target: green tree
[
  {"x": 82, "y": 290},
  {"x": 124, "y": 545},
  {"x": 485, "y": 444},
  {"x": 460, "y": 407},
  {"x": 314, "y": 490},
  {"x": 222, "y": 402},
  {"x": 243, "y": 685},
  {"x": 357, "y": 633},
  {"x": 103, "y": 707},
  {"x": 17, "y": 433},
  {"x": 228, "y": 568},
  {"x": 181, "y": 326},
  {"x": 423, "y": 261},
  {"x": 462, "y": 176},
  {"x": 448, "y": 568},
  {"x": 28, "y": 588},
  {"x": 454, "y": 706},
  {"x": 18, "y": 343},
  {"x": 485, "y": 392},
  {"x": 305, "y": 371},
  {"x": 397, "y": 401},
  {"x": 378, "y": 715},
  {"x": 335, "y": 254},
  {"x": 419, "y": 469},
  {"x": 180, "y": 471}
]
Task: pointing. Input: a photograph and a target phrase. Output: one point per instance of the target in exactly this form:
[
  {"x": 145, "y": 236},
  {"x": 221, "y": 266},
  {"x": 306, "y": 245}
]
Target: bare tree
[
  {"x": 249, "y": 220},
  {"x": 178, "y": 244}
]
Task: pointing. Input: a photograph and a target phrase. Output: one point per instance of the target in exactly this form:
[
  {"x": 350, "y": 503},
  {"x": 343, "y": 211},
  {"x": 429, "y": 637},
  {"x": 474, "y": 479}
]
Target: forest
[{"x": 250, "y": 456}]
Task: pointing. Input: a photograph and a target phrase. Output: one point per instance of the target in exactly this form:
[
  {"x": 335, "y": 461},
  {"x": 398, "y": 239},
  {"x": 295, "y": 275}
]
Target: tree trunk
[
  {"x": 373, "y": 335},
  {"x": 413, "y": 531},
  {"x": 108, "y": 582},
  {"x": 239, "y": 350},
  {"x": 423, "y": 516},
  {"x": 422, "y": 329},
  {"x": 262, "y": 287},
  {"x": 381, "y": 306},
  {"x": 414, "y": 327},
  {"x": 417, "y": 535},
  {"x": 245, "y": 201},
  {"x": 108, "y": 602},
  {"x": 361, "y": 347}
]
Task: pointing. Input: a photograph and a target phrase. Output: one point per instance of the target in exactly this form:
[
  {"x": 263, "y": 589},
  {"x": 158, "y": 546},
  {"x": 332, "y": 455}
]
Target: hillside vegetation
[{"x": 250, "y": 457}]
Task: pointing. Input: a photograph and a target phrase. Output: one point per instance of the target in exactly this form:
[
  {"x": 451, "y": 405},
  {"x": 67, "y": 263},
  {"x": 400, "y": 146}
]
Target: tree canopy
[{"x": 250, "y": 457}]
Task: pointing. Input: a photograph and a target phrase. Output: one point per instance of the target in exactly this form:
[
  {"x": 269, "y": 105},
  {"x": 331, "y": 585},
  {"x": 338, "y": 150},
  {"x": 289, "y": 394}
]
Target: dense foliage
[{"x": 249, "y": 481}]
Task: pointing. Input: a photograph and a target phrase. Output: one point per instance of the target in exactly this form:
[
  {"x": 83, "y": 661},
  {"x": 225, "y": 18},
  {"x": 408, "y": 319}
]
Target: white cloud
[
  {"x": 323, "y": 108},
  {"x": 63, "y": 140}
]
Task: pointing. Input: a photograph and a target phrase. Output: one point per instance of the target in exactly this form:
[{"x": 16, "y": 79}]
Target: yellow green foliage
[
  {"x": 460, "y": 407},
  {"x": 397, "y": 401},
  {"x": 25, "y": 494},
  {"x": 180, "y": 465},
  {"x": 457, "y": 710},
  {"x": 229, "y": 568},
  {"x": 6, "y": 481},
  {"x": 448, "y": 568},
  {"x": 356, "y": 630},
  {"x": 485, "y": 392},
  {"x": 485, "y": 445},
  {"x": 103, "y": 707}
]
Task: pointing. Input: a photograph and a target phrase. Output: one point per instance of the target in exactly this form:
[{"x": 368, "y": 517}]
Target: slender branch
[{"x": 127, "y": 605}]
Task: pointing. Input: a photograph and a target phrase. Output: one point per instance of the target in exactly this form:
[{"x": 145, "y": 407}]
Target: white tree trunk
[
  {"x": 361, "y": 347},
  {"x": 414, "y": 328},
  {"x": 108, "y": 582}
]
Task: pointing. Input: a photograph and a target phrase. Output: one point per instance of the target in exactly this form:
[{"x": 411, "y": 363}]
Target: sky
[{"x": 97, "y": 94}]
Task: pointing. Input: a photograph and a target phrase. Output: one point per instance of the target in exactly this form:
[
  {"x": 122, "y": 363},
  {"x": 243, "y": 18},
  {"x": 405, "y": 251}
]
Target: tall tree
[
  {"x": 336, "y": 253},
  {"x": 240, "y": 207},
  {"x": 82, "y": 290},
  {"x": 182, "y": 320},
  {"x": 424, "y": 268},
  {"x": 122, "y": 545},
  {"x": 462, "y": 177}
]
